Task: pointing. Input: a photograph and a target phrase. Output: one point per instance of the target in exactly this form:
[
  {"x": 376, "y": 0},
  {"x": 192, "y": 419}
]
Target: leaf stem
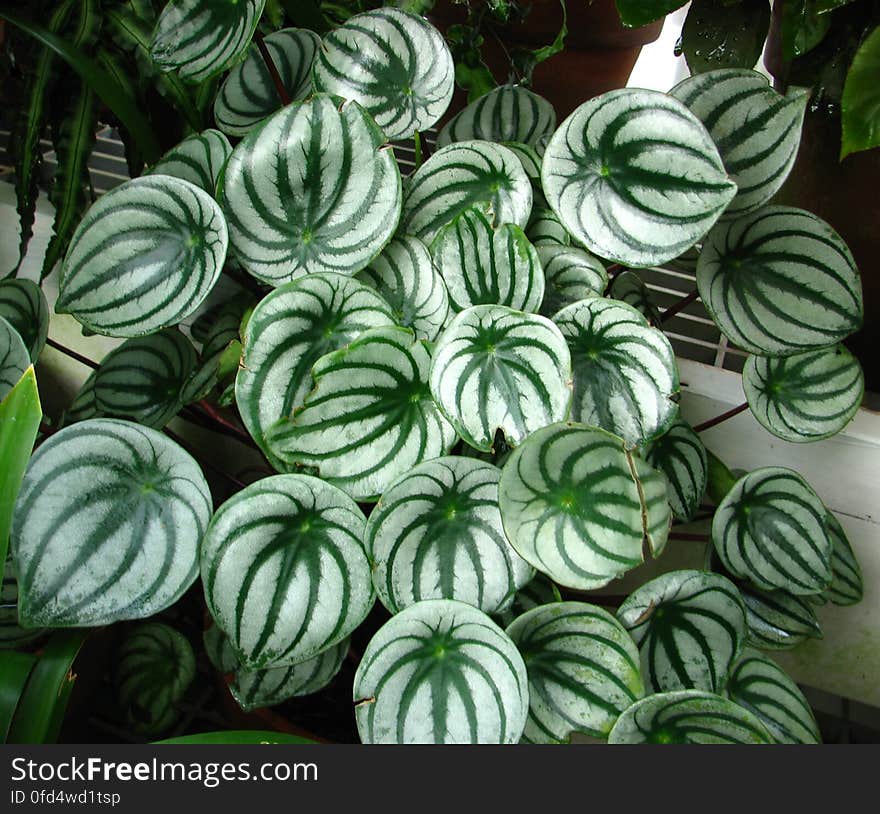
[
  {"x": 417, "y": 144},
  {"x": 714, "y": 422},
  {"x": 72, "y": 354},
  {"x": 679, "y": 306},
  {"x": 272, "y": 68}
]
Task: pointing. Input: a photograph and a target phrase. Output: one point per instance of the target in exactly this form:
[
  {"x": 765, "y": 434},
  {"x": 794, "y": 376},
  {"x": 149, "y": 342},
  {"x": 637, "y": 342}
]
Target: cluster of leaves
[{"x": 463, "y": 420}]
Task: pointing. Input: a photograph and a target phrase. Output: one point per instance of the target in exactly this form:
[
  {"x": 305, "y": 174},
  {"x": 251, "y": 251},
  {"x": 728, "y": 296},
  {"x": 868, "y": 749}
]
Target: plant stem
[
  {"x": 679, "y": 306},
  {"x": 72, "y": 354},
  {"x": 417, "y": 144},
  {"x": 713, "y": 422},
  {"x": 273, "y": 70},
  {"x": 215, "y": 415}
]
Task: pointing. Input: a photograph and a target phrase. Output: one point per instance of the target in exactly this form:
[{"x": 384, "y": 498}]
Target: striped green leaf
[
  {"x": 807, "y": 396},
  {"x": 583, "y": 670},
  {"x": 142, "y": 378},
  {"x": 248, "y": 94},
  {"x": 13, "y": 635},
  {"x": 688, "y": 716},
  {"x": 656, "y": 511},
  {"x": 83, "y": 405},
  {"x": 777, "y": 620},
  {"x": 107, "y": 525},
  {"x": 529, "y": 158},
  {"x": 690, "y": 627},
  {"x": 573, "y": 506},
  {"x": 441, "y": 671},
  {"x": 144, "y": 256},
  {"x": 23, "y": 305},
  {"x": 313, "y": 189},
  {"x": 288, "y": 331},
  {"x": 761, "y": 686},
  {"x": 14, "y": 358},
  {"x": 458, "y": 176},
  {"x": 770, "y": 529},
  {"x": 635, "y": 177},
  {"x": 757, "y": 130},
  {"x": 219, "y": 651},
  {"x": 201, "y": 38},
  {"x": 284, "y": 570},
  {"x": 153, "y": 668},
  {"x": 680, "y": 456},
  {"x": 780, "y": 281},
  {"x": 266, "y": 688},
  {"x": 540, "y": 590},
  {"x": 846, "y": 587},
  {"x": 199, "y": 159},
  {"x": 629, "y": 287},
  {"x": 506, "y": 113},
  {"x": 404, "y": 275},
  {"x": 436, "y": 533},
  {"x": 570, "y": 275},
  {"x": 394, "y": 63},
  {"x": 545, "y": 228},
  {"x": 625, "y": 374},
  {"x": 499, "y": 369},
  {"x": 370, "y": 417},
  {"x": 482, "y": 265}
]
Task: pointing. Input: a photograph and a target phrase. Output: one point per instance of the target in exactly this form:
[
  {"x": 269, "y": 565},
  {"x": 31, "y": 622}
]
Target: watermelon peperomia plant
[{"x": 464, "y": 390}]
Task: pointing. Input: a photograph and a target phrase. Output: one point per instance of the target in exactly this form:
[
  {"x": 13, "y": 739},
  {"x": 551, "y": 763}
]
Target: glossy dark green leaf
[
  {"x": 721, "y": 34},
  {"x": 861, "y": 99},
  {"x": 635, "y": 13}
]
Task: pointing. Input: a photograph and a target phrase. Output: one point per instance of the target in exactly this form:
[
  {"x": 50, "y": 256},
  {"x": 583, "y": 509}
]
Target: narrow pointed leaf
[
  {"x": 680, "y": 455},
  {"x": 199, "y": 159},
  {"x": 23, "y": 305},
  {"x": 570, "y": 275}
]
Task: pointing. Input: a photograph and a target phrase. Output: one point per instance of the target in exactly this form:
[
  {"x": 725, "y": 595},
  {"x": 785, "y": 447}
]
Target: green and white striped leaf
[
  {"x": 777, "y": 620},
  {"x": 144, "y": 256},
  {"x": 288, "y": 331},
  {"x": 201, "y": 38},
  {"x": 688, "y": 716},
  {"x": 12, "y": 635},
  {"x": 780, "y": 281},
  {"x": 199, "y": 159},
  {"x": 83, "y": 405},
  {"x": 462, "y": 175},
  {"x": 394, "y": 63},
  {"x": 437, "y": 534},
  {"x": 635, "y": 177},
  {"x": 771, "y": 530},
  {"x": 545, "y": 229},
  {"x": 656, "y": 511},
  {"x": 404, "y": 275},
  {"x": 143, "y": 377},
  {"x": 529, "y": 158},
  {"x": 629, "y": 287},
  {"x": 570, "y": 275},
  {"x": 266, "y": 688},
  {"x": 219, "y": 651},
  {"x": 805, "y": 397},
  {"x": 583, "y": 670},
  {"x": 284, "y": 570},
  {"x": 625, "y": 374},
  {"x": 756, "y": 129},
  {"x": 540, "y": 590},
  {"x": 506, "y": 113},
  {"x": 314, "y": 189},
  {"x": 573, "y": 505},
  {"x": 23, "y": 305},
  {"x": 499, "y": 369},
  {"x": 107, "y": 525},
  {"x": 680, "y": 456},
  {"x": 441, "y": 671},
  {"x": 248, "y": 94},
  {"x": 153, "y": 668},
  {"x": 370, "y": 417},
  {"x": 761, "y": 686},
  {"x": 690, "y": 627},
  {"x": 14, "y": 358},
  {"x": 847, "y": 586},
  {"x": 482, "y": 265}
]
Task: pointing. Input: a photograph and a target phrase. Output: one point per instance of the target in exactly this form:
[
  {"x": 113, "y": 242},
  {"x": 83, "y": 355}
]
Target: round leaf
[
  {"x": 629, "y": 287},
  {"x": 777, "y": 620},
  {"x": 199, "y": 159},
  {"x": 545, "y": 228},
  {"x": 23, "y": 305},
  {"x": 571, "y": 275}
]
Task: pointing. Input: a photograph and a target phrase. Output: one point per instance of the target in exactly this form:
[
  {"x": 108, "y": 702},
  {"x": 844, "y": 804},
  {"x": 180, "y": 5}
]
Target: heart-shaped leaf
[
  {"x": 757, "y": 130},
  {"x": 770, "y": 529},
  {"x": 688, "y": 716},
  {"x": 780, "y": 281},
  {"x": 635, "y": 177},
  {"x": 441, "y": 671},
  {"x": 461, "y": 175},
  {"x": 573, "y": 505},
  {"x": 499, "y": 369},
  {"x": 805, "y": 397},
  {"x": 248, "y": 95},
  {"x": 690, "y": 627},
  {"x": 625, "y": 375},
  {"x": 144, "y": 256},
  {"x": 284, "y": 569},
  {"x": 570, "y": 275},
  {"x": 437, "y": 534},
  {"x": 23, "y": 305},
  {"x": 370, "y": 417},
  {"x": 394, "y": 63},
  {"x": 680, "y": 455},
  {"x": 14, "y": 358},
  {"x": 313, "y": 189},
  {"x": 201, "y": 38},
  {"x": 761, "y": 686},
  {"x": 583, "y": 670},
  {"x": 847, "y": 587},
  {"x": 107, "y": 525},
  {"x": 485, "y": 266},
  {"x": 199, "y": 159}
]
